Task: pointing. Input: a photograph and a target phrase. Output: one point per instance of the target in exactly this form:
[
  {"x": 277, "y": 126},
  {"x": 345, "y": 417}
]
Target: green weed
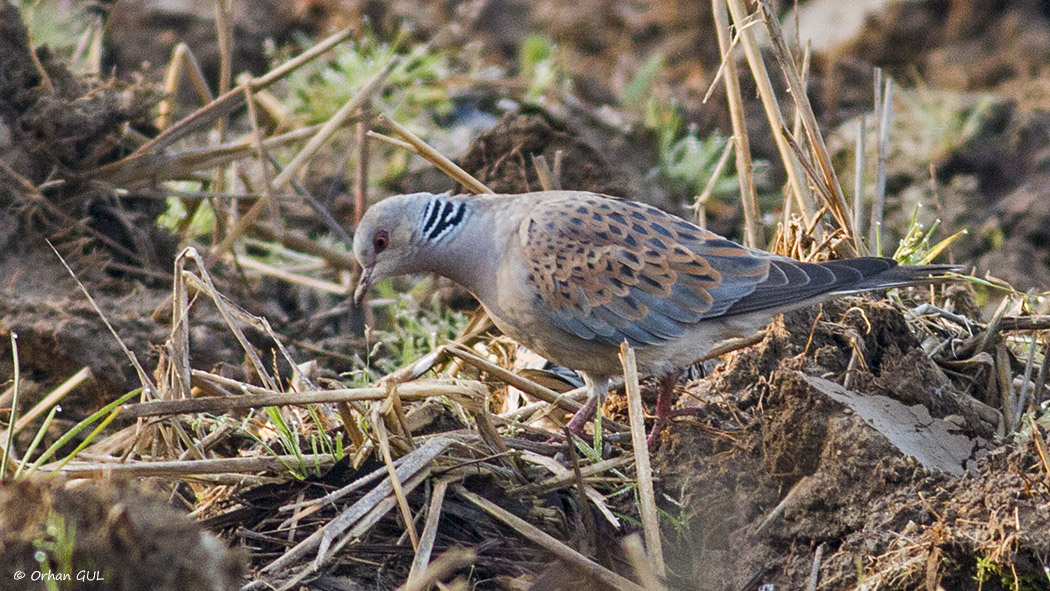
[
  {"x": 687, "y": 161},
  {"x": 932, "y": 124},
  {"x": 55, "y": 548},
  {"x": 414, "y": 331},
  {"x": 542, "y": 68},
  {"x": 203, "y": 218},
  {"x": 410, "y": 95},
  {"x": 915, "y": 248}
]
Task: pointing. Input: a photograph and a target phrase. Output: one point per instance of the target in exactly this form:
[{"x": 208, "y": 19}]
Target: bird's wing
[
  {"x": 791, "y": 282},
  {"x": 613, "y": 271}
]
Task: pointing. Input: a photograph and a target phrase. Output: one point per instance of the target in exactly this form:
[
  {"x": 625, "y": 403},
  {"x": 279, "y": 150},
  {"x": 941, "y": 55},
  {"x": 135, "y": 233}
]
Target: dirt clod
[
  {"x": 502, "y": 157},
  {"x": 111, "y": 536},
  {"x": 800, "y": 469}
]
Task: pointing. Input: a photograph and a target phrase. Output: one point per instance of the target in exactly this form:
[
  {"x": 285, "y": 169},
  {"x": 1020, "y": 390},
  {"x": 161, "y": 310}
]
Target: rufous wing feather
[{"x": 615, "y": 271}]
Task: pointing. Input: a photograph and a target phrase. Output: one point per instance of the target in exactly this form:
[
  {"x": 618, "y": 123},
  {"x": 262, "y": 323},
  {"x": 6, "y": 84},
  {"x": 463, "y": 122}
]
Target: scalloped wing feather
[{"x": 614, "y": 271}]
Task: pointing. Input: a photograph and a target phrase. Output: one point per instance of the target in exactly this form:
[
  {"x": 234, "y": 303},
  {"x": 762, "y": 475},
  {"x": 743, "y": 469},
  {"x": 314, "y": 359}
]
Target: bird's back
[{"x": 592, "y": 272}]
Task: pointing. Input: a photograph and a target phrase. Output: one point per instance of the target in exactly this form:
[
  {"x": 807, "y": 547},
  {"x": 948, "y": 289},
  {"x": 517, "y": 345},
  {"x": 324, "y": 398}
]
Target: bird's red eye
[{"x": 380, "y": 241}]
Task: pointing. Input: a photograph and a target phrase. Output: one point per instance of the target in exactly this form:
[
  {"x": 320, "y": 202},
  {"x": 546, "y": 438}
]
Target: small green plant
[
  {"x": 291, "y": 443},
  {"x": 690, "y": 162},
  {"x": 322, "y": 441},
  {"x": 628, "y": 487},
  {"x": 678, "y": 520},
  {"x": 174, "y": 216},
  {"x": 932, "y": 123},
  {"x": 592, "y": 453},
  {"x": 985, "y": 567},
  {"x": 858, "y": 564},
  {"x": 914, "y": 248},
  {"x": 55, "y": 549},
  {"x": 1007, "y": 578},
  {"x": 289, "y": 439},
  {"x": 53, "y": 24},
  {"x": 415, "y": 331},
  {"x": 687, "y": 161},
  {"x": 104, "y": 416},
  {"x": 410, "y": 95},
  {"x": 596, "y": 439},
  {"x": 640, "y": 86},
  {"x": 319, "y": 89},
  {"x": 665, "y": 118},
  {"x": 542, "y": 67}
]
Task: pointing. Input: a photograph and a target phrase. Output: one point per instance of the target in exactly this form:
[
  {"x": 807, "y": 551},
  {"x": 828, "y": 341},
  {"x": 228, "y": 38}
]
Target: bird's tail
[
  {"x": 792, "y": 284},
  {"x": 904, "y": 275}
]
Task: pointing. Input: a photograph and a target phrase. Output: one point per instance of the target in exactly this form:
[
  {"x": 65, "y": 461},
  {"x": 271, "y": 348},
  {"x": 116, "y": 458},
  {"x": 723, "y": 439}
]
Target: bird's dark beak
[{"x": 363, "y": 284}]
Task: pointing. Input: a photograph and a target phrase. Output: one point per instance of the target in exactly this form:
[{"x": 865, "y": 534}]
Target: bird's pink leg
[
  {"x": 597, "y": 388},
  {"x": 586, "y": 413},
  {"x": 664, "y": 412}
]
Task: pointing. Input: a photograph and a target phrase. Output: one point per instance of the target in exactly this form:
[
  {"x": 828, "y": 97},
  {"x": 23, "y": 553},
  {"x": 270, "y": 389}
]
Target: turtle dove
[{"x": 571, "y": 275}]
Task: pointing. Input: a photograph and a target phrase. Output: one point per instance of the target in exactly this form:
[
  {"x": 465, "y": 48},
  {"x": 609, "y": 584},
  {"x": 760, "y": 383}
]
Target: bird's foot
[
  {"x": 664, "y": 412},
  {"x": 579, "y": 420},
  {"x": 663, "y": 421}
]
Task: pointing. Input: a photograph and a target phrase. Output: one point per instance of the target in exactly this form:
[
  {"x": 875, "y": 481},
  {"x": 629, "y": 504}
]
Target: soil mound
[{"x": 788, "y": 469}]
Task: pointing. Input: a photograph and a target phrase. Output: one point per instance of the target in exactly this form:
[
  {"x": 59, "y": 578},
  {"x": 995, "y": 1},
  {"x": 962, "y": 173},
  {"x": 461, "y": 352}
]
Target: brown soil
[
  {"x": 59, "y": 129},
  {"x": 117, "y": 538},
  {"x": 960, "y": 45},
  {"x": 777, "y": 468},
  {"x": 502, "y": 157},
  {"x": 993, "y": 182},
  {"x": 997, "y": 185},
  {"x": 142, "y": 34}
]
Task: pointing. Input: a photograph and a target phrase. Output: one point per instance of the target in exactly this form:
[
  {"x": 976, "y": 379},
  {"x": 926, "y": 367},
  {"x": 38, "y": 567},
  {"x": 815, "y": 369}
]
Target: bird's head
[{"x": 388, "y": 241}]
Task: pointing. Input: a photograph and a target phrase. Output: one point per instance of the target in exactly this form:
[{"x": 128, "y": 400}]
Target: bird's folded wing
[
  {"x": 791, "y": 282},
  {"x": 614, "y": 271}
]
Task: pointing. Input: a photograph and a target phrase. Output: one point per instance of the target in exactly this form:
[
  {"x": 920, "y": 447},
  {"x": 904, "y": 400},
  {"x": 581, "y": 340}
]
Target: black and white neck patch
[{"x": 442, "y": 219}]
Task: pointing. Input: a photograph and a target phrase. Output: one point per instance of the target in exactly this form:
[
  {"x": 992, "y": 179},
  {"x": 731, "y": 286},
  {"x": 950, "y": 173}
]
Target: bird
[{"x": 573, "y": 274}]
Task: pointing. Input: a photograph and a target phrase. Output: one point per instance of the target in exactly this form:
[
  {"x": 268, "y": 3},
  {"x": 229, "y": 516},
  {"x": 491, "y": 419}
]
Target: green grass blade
[{"x": 84, "y": 424}]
